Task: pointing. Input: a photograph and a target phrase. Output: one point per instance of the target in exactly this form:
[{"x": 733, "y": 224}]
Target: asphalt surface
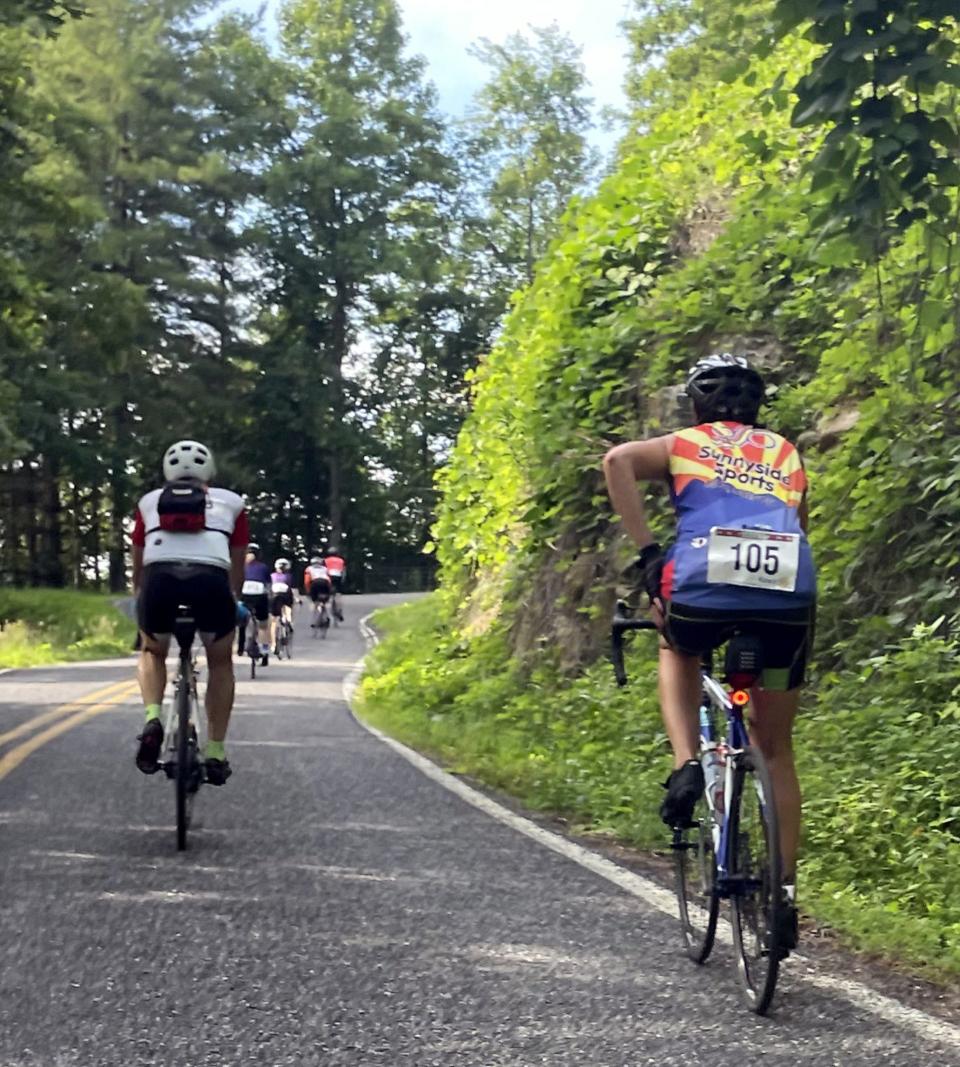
[{"x": 338, "y": 907}]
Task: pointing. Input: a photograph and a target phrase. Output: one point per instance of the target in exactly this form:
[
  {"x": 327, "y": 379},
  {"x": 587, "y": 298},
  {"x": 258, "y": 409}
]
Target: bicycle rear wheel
[
  {"x": 757, "y": 879},
  {"x": 184, "y": 776},
  {"x": 694, "y": 864}
]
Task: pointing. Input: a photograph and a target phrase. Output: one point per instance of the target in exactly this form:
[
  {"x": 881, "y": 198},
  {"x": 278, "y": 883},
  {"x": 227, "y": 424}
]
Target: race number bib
[
  {"x": 252, "y": 588},
  {"x": 755, "y": 558},
  {"x": 280, "y": 587}
]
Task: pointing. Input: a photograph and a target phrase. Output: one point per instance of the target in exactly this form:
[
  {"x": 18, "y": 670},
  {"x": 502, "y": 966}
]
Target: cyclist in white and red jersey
[
  {"x": 740, "y": 563},
  {"x": 337, "y": 570},
  {"x": 189, "y": 542},
  {"x": 316, "y": 583}
]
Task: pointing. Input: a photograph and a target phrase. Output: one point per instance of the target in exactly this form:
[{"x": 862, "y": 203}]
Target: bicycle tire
[
  {"x": 183, "y": 775},
  {"x": 753, "y": 825},
  {"x": 695, "y": 870}
]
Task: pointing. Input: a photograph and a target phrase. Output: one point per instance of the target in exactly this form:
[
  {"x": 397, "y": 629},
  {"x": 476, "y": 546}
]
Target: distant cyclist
[
  {"x": 317, "y": 584},
  {"x": 281, "y": 598},
  {"x": 337, "y": 570},
  {"x": 189, "y": 540},
  {"x": 255, "y": 593},
  {"x": 741, "y": 561}
]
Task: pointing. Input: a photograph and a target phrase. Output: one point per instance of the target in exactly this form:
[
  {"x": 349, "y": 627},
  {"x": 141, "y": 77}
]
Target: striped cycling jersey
[{"x": 725, "y": 474}]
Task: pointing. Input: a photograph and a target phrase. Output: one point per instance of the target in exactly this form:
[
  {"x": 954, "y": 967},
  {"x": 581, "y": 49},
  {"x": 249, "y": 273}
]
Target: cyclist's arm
[
  {"x": 238, "y": 554},
  {"x": 239, "y": 540},
  {"x": 623, "y": 467},
  {"x": 138, "y": 543},
  {"x": 137, "y": 554}
]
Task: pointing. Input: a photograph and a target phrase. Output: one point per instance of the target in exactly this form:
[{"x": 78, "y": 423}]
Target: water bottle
[{"x": 711, "y": 762}]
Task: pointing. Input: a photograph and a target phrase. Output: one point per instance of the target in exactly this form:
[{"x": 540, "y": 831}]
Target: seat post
[{"x": 184, "y": 630}]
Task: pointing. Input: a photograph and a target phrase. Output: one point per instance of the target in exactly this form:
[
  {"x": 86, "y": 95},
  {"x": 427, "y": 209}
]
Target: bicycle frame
[
  {"x": 737, "y": 739},
  {"x": 729, "y": 750}
]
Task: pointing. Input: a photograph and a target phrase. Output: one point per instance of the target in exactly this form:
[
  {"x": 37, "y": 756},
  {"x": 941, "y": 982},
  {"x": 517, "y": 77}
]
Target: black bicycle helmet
[{"x": 725, "y": 387}]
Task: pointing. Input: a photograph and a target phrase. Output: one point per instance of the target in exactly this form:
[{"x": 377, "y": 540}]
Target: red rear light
[{"x": 740, "y": 697}]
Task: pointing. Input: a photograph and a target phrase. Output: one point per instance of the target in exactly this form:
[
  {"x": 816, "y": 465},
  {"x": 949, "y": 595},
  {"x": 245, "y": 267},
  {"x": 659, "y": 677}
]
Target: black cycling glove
[{"x": 648, "y": 568}]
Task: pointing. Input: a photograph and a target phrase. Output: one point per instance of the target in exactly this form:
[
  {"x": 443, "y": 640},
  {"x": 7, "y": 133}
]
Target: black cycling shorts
[
  {"x": 279, "y": 601},
  {"x": 337, "y": 580},
  {"x": 204, "y": 590},
  {"x": 259, "y": 605},
  {"x": 786, "y": 636},
  {"x": 319, "y": 589}
]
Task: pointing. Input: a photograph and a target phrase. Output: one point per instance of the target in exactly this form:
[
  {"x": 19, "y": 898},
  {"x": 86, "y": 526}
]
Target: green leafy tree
[
  {"x": 346, "y": 201},
  {"x": 526, "y": 138},
  {"x": 883, "y": 85}
]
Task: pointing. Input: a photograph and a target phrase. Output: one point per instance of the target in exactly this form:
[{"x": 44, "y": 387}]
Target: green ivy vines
[{"x": 802, "y": 207}]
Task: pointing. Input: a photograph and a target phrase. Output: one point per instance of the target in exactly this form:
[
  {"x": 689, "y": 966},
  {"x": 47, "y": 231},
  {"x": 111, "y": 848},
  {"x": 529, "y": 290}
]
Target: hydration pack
[{"x": 182, "y": 507}]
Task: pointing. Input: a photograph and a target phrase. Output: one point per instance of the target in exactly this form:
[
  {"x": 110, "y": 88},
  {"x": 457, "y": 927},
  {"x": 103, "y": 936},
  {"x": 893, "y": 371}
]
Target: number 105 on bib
[{"x": 756, "y": 558}]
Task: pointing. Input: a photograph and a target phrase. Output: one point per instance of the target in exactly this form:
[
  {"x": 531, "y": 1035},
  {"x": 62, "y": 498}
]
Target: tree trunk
[
  {"x": 119, "y": 500},
  {"x": 96, "y": 547},
  {"x": 77, "y": 535},
  {"x": 51, "y": 541},
  {"x": 32, "y": 524},
  {"x": 338, "y": 353}
]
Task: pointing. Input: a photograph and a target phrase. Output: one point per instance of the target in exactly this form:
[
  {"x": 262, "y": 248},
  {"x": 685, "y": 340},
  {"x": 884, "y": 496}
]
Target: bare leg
[
  {"x": 771, "y": 730},
  {"x": 219, "y": 699},
  {"x": 152, "y": 668},
  {"x": 679, "y": 703}
]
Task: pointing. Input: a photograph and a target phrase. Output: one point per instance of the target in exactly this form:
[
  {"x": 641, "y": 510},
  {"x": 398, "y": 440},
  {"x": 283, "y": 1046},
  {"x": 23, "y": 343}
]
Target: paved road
[{"x": 337, "y": 907}]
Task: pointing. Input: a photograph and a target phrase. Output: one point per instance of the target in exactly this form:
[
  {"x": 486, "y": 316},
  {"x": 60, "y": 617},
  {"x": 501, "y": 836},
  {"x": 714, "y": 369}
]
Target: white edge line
[{"x": 861, "y": 996}]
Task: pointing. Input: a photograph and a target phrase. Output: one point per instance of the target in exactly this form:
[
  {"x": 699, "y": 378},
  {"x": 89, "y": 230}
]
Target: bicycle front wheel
[
  {"x": 694, "y": 864},
  {"x": 756, "y": 878}
]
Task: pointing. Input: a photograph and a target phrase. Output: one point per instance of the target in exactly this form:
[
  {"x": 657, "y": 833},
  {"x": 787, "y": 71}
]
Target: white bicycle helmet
[
  {"x": 281, "y": 564},
  {"x": 188, "y": 459}
]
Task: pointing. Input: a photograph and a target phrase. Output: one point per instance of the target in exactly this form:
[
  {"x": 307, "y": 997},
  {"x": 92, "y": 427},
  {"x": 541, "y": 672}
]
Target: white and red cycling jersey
[
  {"x": 226, "y": 527},
  {"x": 316, "y": 572}
]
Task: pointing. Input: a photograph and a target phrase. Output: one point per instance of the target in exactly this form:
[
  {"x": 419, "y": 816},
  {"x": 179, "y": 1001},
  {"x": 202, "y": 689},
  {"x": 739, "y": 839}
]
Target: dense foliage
[
  {"x": 730, "y": 221},
  {"x": 39, "y": 626},
  {"x": 272, "y": 248}
]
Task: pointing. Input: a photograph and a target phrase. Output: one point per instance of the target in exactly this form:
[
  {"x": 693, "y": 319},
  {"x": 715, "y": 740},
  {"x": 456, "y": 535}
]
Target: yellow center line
[
  {"x": 64, "y": 709},
  {"x": 17, "y": 755}
]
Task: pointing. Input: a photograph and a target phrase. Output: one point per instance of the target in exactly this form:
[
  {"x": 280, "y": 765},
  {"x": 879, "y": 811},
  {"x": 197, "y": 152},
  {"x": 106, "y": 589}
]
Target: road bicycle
[
  {"x": 320, "y": 622},
  {"x": 730, "y": 849},
  {"x": 251, "y": 645},
  {"x": 284, "y": 645},
  {"x": 182, "y": 763}
]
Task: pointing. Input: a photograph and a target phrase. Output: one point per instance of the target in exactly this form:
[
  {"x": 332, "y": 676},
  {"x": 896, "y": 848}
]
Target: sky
[{"x": 441, "y": 31}]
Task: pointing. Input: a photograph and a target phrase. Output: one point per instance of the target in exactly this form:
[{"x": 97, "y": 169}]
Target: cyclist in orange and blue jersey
[{"x": 740, "y": 562}]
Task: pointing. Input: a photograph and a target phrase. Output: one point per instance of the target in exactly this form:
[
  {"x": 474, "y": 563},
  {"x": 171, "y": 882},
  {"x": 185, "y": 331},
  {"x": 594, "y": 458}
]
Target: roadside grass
[
  {"x": 41, "y": 626},
  {"x": 882, "y": 815}
]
